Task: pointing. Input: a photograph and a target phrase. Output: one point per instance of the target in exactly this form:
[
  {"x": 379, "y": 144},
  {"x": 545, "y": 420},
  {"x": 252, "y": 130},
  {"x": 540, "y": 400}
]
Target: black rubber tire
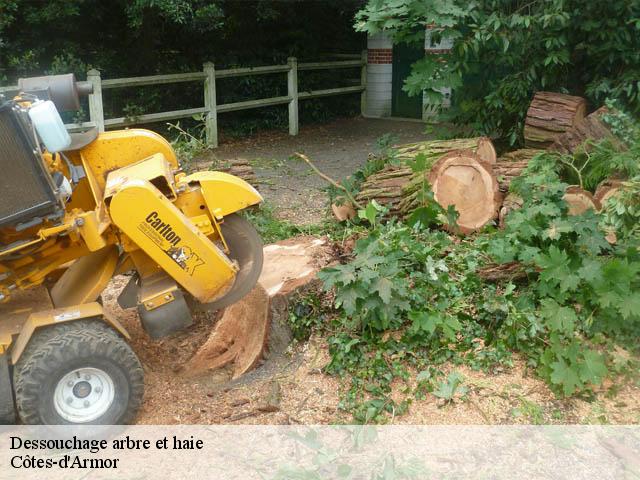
[
  {"x": 7, "y": 405},
  {"x": 57, "y": 350},
  {"x": 245, "y": 247}
]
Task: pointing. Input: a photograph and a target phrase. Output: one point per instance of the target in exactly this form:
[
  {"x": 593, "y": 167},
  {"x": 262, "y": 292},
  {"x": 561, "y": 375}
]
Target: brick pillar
[{"x": 379, "y": 59}]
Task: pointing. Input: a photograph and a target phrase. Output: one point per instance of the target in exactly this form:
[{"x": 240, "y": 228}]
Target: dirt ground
[
  {"x": 308, "y": 396},
  {"x": 305, "y": 394},
  {"x": 337, "y": 149}
]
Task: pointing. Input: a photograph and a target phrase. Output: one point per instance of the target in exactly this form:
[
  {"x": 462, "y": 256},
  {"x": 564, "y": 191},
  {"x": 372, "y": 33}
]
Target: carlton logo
[{"x": 163, "y": 229}]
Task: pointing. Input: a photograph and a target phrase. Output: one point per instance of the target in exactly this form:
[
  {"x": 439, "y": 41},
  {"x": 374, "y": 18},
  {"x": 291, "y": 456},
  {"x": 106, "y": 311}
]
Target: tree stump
[
  {"x": 461, "y": 179},
  {"x": 550, "y": 115},
  {"x": 256, "y": 327}
]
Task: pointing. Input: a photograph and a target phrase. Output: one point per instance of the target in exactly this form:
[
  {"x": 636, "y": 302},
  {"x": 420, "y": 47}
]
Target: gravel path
[{"x": 337, "y": 149}]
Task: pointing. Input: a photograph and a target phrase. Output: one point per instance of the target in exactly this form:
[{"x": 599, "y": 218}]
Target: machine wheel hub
[{"x": 84, "y": 395}]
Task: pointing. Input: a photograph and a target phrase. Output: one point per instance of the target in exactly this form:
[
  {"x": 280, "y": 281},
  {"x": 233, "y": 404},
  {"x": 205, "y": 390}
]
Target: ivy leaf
[
  {"x": 447, "y": 390},
  {"x": 566, "y": 377},
  {"x": 423, "y": 321}
]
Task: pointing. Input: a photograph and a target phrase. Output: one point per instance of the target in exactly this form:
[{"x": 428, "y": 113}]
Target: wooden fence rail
[{"x": 211, "y": 109}]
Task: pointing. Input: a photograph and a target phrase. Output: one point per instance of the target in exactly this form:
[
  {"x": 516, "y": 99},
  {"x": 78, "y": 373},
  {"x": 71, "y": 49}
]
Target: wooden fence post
[
  {"x": 210, "y": 103},
  {"x": 292, "y": 89},
  {"x": 363, "y": 83},
  {"x": 96, "y": 111}
]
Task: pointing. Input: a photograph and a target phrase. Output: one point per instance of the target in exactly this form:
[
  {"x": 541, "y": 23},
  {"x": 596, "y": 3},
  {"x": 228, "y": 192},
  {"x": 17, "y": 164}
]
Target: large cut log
[
  {"x": 461, "y": 179},
  {"x": 579, "y": 200},
  {"x": 483, "y": 146},
  {"x": 385, "y": 187},
  {"x": 397, "y": 182},
  {"x": 550, "y": 115},
  {"x": 593, "y": 128}
]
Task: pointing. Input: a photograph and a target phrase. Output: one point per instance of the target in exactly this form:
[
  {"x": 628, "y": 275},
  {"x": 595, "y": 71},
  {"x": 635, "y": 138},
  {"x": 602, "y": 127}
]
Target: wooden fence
[{"x": 211, "y": 109}]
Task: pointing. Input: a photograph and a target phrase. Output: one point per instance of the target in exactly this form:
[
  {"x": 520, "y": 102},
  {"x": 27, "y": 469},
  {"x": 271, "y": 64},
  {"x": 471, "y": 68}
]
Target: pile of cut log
[
  {"x": 240, "y": 168},
  {"x": 465, "y": 172}
]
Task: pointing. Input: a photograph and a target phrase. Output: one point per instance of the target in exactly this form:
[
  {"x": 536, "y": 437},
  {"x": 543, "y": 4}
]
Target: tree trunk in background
[
  {"x": 550, "y": 115},
  {"x": 591, "y": 128},
  {"x": 462, "y": 179}
]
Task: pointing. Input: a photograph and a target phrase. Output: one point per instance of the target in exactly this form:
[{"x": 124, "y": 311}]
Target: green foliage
[
  {"x": 505, "y": 50},
  {"x": 448, "y": 389},
  {"x": 405, "y": 300},
  {"x": 269, "y": 226},
  {"x": 583, "y": 287},
  {"x": 147, "y": 37},
  {"x": 622, "y": 212},
  {"x": 188, "y": 144},
  {"x": 621, "y": 123},
  {"x": 411, "y": 299},
  {"x": 306, "y": 315}
]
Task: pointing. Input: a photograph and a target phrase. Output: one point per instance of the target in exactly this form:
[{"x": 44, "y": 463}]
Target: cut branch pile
[{"x": 240, "y": 168}]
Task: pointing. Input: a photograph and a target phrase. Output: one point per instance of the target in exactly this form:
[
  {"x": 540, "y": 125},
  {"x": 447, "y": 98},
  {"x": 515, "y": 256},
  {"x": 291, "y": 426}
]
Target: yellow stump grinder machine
[{"x": 77, "y": 209}]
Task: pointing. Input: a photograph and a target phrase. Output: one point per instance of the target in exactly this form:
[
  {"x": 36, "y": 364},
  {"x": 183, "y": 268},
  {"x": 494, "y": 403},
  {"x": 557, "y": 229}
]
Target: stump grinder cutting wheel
[{"x": 78, "y": 209}]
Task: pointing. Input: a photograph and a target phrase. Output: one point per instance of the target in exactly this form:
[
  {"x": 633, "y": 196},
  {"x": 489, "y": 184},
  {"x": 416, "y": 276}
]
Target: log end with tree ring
[
  {"x": 606, "y": 190},
  {"x": 579, "y": 200},
  {"x": 343, "y": 212},
  {"x": 461, "y": 179}
]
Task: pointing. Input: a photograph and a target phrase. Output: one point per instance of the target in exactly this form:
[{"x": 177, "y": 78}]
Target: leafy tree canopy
[{"x": 505, "y": 50}]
